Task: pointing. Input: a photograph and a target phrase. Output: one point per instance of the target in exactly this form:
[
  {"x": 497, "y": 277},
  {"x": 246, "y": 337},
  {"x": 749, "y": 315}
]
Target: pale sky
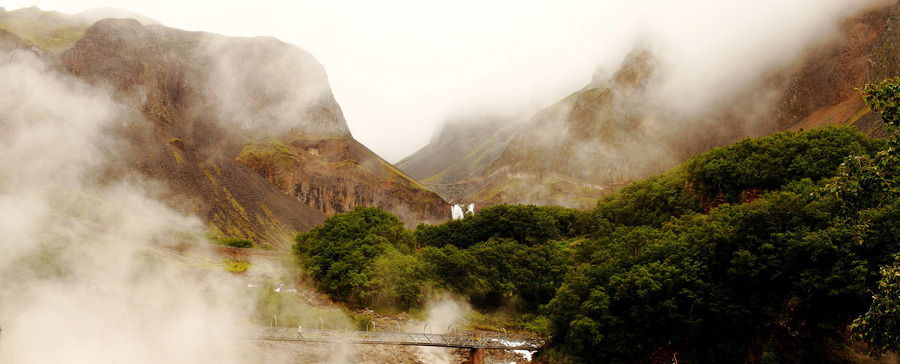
[{"x": 400, "y": 68}]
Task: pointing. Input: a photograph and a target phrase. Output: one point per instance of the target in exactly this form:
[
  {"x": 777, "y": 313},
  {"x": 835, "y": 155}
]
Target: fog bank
[{"x": 83, "y": 277}]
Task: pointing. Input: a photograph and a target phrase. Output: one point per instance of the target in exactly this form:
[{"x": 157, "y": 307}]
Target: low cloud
[{"x": 265, "y": 86}]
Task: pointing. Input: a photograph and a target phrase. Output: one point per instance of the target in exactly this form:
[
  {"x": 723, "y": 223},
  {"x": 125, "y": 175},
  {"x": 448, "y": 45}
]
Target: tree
[
  {"x": 400, "y": 280},
  {"x": 869, "y": 182},
  {"x": 737, "y": 173},
  {"x": 884, "y": 98},
  {"x": 864, "y": 181},
  {"x": 880, "y": 327},
  {"x": 527, "y": 224},
  {"x": 690, "y": 263},
  {"x": 340, "y": 253}
]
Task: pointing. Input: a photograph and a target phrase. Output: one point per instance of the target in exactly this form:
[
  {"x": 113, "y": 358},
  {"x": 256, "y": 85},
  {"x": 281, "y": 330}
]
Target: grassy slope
[{"x": 51, "y": 31}]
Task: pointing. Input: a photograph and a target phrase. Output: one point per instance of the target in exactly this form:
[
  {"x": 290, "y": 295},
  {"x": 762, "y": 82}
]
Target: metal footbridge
[{"x": 468, "y": 340}]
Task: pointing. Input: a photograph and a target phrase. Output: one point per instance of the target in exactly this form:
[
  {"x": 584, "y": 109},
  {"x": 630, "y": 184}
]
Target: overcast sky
[{"x": 400, "y": 68}]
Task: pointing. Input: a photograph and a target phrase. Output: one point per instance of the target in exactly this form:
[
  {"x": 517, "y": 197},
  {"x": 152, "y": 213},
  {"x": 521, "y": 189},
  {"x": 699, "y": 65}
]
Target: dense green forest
[{"x": 781, "y": 249}]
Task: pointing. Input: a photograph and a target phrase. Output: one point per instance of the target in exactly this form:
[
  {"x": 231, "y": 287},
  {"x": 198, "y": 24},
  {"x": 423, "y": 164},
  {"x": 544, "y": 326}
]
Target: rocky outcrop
[
  {"x": 576, "y": 150},
  {"x": 9, "y": 41},
  {"x": 125, "y": 55},
  {"x": 335, "y": 175},
  {"x": 266, "y": 87}
]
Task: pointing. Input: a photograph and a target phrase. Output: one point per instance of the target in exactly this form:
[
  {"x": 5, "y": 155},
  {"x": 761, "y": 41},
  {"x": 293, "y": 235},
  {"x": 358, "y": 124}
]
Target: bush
[
  {"x": 527, "y": 224},
  {"x": 340, "y": 253},
  {"x": 236, "y": 243},
  {"x": 236, "y": 265},
  {"x": 729, "y": 173}
]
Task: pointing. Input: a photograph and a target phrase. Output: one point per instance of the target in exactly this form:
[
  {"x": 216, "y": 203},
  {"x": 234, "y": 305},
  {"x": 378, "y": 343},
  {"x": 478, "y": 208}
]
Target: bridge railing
[{"x": 459, "y": 340}]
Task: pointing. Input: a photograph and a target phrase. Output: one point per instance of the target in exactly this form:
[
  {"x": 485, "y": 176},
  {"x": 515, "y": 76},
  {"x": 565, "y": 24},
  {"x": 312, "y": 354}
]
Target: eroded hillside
[{"x": 193, "y": 101}]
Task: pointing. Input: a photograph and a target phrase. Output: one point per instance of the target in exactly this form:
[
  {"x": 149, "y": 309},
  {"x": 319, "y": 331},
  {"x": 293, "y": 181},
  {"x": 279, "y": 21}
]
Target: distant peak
[
  {"x": 635, "y": 67},
  {"x": 96, "y": 14}
]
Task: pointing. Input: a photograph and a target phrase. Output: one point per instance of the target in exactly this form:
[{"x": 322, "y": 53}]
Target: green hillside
[{"x": 767, "y": 250}]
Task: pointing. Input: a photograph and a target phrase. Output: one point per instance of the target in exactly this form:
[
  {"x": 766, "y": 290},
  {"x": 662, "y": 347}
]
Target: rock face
[
  {"x": 823, "y": 89},
  {"x": 614, "y": 131},
  {"x": 335, "y": 174},
  {"x": 196, "y": 101}
]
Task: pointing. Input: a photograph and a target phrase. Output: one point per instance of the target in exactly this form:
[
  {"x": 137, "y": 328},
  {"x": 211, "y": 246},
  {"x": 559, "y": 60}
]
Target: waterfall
[{"x": 456, "y": 212}]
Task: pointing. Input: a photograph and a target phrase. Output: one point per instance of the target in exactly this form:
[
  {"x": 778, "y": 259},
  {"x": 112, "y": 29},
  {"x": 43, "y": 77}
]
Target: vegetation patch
[
  {"x": 236, "y": 265},
  {"x": 236, "y": 242},
  {"x": 271, "y": 159}
]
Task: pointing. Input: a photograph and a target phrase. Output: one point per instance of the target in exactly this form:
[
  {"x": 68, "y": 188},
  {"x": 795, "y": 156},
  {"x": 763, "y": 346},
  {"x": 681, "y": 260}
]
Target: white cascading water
[{"x": 456, "y": 212}]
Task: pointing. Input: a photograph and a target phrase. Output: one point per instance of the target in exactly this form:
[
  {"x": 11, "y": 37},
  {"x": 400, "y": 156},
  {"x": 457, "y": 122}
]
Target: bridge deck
[{"x": 471, "y": 341}]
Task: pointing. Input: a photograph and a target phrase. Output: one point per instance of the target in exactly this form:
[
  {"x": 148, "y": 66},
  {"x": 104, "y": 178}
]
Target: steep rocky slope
[
  {"x": 823, "y": 89},
  {"x": 458, "y": 154},
  {"x": 194, "y": 101},
  {"x": 336, "y": 174},
  {"x": 175, "y": 135},
  {"x": 615, "y": 130}
]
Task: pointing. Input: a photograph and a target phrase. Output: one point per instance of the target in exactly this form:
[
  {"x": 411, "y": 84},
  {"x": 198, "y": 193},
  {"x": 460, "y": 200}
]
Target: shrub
[
  {"x": 236, "y": 265},
  {"x": 236, "y": 243}
]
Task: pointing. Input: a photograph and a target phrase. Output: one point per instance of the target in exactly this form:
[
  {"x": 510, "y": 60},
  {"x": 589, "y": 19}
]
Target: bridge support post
[{"x": 476, "y": 356}]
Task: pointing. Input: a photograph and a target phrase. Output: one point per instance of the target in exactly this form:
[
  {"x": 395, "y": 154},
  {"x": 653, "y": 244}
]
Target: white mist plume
[
  {"x": 701, "y": 74},
  {"x": 265, "y": 85},
  {"x": 444, "y": 315},
  {"x": 81, "y": 280},
  {"x": 399, "y": 68},
  {"x": 710, "y": 50}
]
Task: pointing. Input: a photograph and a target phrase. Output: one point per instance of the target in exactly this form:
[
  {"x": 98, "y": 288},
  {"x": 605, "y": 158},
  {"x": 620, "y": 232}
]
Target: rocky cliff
[
  {"x": 335, "y": 174},
  {"x": 193, "y": 102}
]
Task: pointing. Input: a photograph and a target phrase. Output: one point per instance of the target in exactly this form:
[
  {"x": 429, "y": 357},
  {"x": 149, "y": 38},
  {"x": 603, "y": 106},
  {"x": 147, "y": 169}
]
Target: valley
[{"x": 162, "y": 190}]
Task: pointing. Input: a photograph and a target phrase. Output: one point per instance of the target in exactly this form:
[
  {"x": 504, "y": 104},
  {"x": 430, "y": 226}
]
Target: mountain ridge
[{"x": 614, "y": 130}]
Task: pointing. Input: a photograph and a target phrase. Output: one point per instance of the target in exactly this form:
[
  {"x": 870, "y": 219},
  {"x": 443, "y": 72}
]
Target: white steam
[
  {"x": 444, "y": 315},
  {"x": 710, "y": 50},
  {"x": 265, "y": 85},
  {"x": 82, "y": 281},
  {"x": 700, "y": 74}
]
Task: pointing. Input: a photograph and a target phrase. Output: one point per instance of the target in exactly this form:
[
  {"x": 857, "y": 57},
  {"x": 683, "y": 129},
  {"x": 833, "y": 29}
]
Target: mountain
[
  {"x": 617, "y": 129},
  {"x": 200, "y": 113},
  {"x": 459, "y": 152}
]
